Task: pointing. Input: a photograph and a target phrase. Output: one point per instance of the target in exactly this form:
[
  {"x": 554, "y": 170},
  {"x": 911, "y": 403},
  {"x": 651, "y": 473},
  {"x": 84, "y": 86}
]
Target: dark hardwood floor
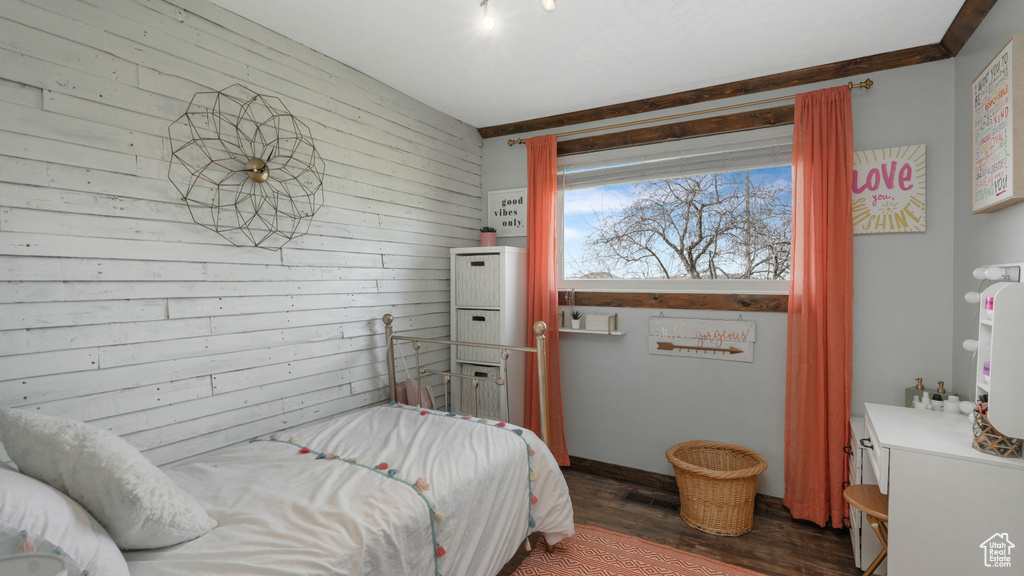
[{"x": 777, "y": 545}]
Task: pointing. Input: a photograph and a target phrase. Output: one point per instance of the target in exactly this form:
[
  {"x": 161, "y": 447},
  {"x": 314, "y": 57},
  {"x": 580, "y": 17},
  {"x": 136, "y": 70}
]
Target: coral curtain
[
  {"x": 820, "y": 336},
  {"x": 542, "y": 286}
]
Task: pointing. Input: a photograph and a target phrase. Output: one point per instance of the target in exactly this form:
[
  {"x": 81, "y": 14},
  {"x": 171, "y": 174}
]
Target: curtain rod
[{"x": 866, "y": 84}]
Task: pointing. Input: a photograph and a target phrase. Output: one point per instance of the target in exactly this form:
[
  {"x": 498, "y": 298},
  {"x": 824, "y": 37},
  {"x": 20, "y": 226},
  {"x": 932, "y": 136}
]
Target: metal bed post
[
  {"x": 388, "y": 333},
  {"x": 542, "y": 376},
  {"x": 540, "y": 349}
]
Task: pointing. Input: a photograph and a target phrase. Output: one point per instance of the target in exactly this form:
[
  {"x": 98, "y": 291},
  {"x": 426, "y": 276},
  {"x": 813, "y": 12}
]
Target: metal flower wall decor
[{"x": 246, "y": 167}]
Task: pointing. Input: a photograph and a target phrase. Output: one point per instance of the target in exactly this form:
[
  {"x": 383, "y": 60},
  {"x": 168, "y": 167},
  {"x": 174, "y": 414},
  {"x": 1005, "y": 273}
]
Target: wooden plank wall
[{"x": 116, "y": 308}]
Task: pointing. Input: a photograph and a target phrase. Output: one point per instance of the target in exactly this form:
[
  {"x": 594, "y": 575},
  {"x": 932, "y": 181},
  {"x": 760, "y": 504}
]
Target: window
[{"x": 714, "y": 216}]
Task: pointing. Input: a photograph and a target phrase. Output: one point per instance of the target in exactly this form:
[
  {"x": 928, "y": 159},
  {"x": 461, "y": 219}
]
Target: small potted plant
[
  {"x": 576, "y": 316},
  {"x": 488, "y": 236}
]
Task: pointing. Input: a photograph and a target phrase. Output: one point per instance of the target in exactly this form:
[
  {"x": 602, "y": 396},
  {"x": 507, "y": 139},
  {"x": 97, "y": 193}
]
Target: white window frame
[{"x": 695, "y": 146}]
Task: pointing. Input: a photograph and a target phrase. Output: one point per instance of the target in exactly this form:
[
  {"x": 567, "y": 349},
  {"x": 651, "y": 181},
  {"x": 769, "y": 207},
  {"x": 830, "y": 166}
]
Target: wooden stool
[{"x": 875, "y": 505}]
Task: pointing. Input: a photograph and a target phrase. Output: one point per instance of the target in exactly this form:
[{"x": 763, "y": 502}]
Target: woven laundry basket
[{"x": 717, "y": 484}]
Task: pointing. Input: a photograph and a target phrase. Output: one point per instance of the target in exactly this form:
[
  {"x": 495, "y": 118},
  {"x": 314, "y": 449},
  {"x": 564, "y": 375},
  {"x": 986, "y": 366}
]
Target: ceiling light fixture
[
  {"x": 548, "y": 5},
  {"x": 488, "y": 19}
]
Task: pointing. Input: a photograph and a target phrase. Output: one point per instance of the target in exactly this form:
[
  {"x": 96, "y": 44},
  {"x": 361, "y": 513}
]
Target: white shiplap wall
[{"x": 115, "y": 308}]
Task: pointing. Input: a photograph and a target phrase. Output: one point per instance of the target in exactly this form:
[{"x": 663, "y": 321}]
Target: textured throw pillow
[
  {"x": 137, "y": 503},
  {"x": 35, "y": 517}
]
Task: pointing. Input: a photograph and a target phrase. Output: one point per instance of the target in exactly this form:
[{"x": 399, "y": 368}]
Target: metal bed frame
[{"x": 539, "y": 328}]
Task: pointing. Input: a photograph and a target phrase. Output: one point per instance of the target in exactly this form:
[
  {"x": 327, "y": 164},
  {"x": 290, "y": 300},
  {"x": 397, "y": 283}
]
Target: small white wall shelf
[
  {"x": 611, "y": 321},
  {"x": 595, "y": 332}
]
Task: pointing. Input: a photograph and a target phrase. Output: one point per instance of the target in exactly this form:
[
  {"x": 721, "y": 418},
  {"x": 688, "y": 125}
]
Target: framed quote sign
[
  {"x": 889, "y": 190},
  {"x": 996, "y": 117},
  {"x": 506, "y": 212}
]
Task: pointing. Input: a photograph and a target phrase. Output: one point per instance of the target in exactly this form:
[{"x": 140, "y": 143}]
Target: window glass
[{"x": 704, "y": 219}]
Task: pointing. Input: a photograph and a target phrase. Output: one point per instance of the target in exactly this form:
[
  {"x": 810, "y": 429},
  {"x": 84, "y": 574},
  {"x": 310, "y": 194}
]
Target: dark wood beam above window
[
  {"x": 963, "y": 26},
  {"x": 681, "y": 301},
  {"x": 763, "y": 118}
]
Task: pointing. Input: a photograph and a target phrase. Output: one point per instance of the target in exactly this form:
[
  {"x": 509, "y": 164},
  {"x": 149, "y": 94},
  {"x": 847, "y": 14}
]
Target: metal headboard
[{"x": 539, "y": 328}]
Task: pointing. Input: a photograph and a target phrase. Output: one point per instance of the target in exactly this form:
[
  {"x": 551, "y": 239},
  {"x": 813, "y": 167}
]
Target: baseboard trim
[
  {"x": 763, "y": 504},
  {"x": 624, "y": 473}
]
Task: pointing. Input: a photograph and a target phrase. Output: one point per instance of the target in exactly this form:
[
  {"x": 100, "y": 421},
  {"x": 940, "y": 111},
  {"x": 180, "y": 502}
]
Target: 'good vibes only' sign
[{"x": 506, "y": 212}]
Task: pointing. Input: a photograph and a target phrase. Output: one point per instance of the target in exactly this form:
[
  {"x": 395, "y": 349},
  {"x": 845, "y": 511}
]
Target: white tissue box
[{"x": 597, "y": 322}]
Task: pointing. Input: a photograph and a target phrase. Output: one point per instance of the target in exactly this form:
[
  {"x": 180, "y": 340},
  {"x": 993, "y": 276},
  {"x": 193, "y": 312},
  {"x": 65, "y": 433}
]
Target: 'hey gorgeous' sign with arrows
[{"x": 731, "y": 340}]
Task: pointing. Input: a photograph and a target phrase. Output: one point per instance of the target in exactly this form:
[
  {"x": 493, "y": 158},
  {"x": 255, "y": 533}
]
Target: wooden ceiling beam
[
  {"x": 749, "y": 120},
  {"x": 963, "y": 26},
  {"x": 966, "y": 22}
]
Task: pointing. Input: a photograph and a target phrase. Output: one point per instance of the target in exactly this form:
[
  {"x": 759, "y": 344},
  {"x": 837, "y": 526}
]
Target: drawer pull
[
  {"x": 479, "y": 319},
  {"x": 848, "y": 450},
  {"x": 480, "y": 374},
  {"x": 478, "y": 263},
  {"x": 866, "y": 443}
]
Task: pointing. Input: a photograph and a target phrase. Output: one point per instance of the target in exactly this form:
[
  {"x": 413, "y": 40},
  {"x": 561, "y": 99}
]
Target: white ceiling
[{"x": 589, "y": 53}]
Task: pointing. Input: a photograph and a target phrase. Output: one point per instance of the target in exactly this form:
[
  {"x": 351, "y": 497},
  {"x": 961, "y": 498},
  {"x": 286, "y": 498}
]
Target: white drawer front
[
  {"x": 490, "y": 399},
  {"x": 877, "y": 455},
  {"x": 856, "y": 520},
  {"x": 477, "y": 280},
  {"x": 482, "y": 326}
]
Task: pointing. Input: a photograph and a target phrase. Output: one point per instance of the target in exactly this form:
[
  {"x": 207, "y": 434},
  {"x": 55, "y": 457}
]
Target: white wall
[
  {"x": 980, "y": 238},
  {"x": 116, "y": 308},
  {"x": 627, "y": 407}
]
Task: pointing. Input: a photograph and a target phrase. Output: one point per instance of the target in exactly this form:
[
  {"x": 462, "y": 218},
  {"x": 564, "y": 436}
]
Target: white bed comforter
[{"x": 286, "y": 513}]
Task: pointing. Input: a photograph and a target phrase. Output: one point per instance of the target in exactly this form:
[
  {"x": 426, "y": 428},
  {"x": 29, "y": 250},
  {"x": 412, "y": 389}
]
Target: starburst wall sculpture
[{"x": 246, "y": 168}]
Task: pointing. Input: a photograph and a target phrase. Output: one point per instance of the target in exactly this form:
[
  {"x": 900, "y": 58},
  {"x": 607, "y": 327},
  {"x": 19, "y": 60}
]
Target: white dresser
[
  {"x": 948, "y": 503},
  {"x": 488, "y": 295}
]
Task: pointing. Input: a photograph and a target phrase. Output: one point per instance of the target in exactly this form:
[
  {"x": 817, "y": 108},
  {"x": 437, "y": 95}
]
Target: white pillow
[
  {"x": 137, "y": 503},
  {"x": 54, "y": 523}
]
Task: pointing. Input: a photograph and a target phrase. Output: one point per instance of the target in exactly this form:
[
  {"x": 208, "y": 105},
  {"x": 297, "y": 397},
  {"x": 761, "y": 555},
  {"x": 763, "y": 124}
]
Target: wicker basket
[
  {"x": 717, "y": 484},
  {"x": 988, "y": 440}
]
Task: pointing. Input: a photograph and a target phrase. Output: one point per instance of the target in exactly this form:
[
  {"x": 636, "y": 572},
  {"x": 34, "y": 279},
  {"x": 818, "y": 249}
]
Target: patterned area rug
[{"x": 598, "y": 552}]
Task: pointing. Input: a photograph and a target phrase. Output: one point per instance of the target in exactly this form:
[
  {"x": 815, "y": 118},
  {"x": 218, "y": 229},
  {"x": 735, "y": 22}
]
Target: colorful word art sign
[
  {"x": 731, "y": 340},
  {"x": 507, "y": 212},
  {"x": 888, "y": 190},
  {"x": 995, "y": 113}
]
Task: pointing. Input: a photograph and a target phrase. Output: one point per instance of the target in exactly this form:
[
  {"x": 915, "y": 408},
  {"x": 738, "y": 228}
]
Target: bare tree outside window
[{"x": 733, "y": 225}]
